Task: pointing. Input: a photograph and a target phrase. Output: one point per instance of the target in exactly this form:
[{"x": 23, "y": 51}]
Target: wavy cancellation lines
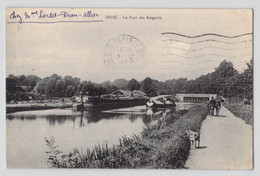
[
  {"x": 206, "y": 40},
  {"x": 207, "y": 34},
  {"x": 207, "y": 47},
  {"x": 203, "y": 55},
  {"x": 207, "y": 44}
]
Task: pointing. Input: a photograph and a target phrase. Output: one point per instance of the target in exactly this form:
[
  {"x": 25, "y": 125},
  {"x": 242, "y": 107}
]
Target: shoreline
[{"x": 11, "y": 108}]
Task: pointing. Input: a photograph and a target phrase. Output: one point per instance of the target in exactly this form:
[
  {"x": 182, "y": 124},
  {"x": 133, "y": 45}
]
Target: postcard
[{"x": 129, "y": 88}]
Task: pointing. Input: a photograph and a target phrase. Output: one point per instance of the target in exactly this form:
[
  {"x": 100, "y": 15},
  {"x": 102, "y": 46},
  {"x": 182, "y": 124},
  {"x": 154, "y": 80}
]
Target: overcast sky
[{"x": 77, "y": 49}]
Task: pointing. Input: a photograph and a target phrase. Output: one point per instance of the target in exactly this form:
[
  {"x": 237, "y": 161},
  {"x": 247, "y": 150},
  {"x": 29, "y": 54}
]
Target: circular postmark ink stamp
[{"x": 124, "y": 52}]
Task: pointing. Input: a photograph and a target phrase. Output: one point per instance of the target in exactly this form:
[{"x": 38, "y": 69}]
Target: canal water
[{"x": 26, "y": 131}]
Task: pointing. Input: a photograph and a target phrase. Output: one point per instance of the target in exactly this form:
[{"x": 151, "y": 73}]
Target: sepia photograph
[{"x": 121, "y": 88}]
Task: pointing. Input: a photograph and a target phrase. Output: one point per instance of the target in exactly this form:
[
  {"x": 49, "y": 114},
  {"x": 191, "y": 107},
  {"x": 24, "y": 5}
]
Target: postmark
[{"x": 124, "y": 51}]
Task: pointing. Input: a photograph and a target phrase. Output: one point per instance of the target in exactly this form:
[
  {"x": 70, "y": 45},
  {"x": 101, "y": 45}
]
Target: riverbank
[
  {"x": 10, "y": 108},
  {"x": 162, "y": 145},
  {"x": 244, "y": 112}
]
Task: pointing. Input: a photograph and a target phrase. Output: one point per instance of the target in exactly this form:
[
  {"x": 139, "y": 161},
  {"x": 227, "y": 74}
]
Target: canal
[{"x": 26, "y": 147}]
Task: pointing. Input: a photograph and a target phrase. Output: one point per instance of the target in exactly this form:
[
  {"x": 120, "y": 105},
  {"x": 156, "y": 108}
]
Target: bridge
[{"x": 195, "y": 97}]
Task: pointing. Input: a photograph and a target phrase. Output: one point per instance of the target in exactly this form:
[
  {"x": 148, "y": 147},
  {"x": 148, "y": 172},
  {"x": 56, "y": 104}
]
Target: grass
[
  {"x": 162, "y": 145},
  {"x": 242, "y": 111}
]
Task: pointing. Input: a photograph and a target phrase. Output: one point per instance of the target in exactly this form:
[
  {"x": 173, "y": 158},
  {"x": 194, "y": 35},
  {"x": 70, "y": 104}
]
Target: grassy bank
[
  {"x": 244, "y": 112},
  {"x": 162, "y": 145}
]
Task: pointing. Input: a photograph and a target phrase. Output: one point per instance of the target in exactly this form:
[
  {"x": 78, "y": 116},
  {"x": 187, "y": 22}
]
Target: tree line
[{"x": 225, "y": 81}]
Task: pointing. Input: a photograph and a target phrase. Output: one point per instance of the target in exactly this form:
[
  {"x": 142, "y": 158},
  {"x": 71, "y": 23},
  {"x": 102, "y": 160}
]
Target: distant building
[
  {"x": 122, "y": 93},
  {"x": 195, "y": 97},
  {"x": 128, "y": 93},
  {"x": 139, "y": 94}
]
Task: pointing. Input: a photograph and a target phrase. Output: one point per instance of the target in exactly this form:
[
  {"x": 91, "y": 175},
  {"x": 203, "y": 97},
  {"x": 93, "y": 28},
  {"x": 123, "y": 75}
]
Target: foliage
[
  {"x": 19, "y": 88},
  {"x": 11, "y": 84},
  {"x": 148, "y": 87},
  {"x": 15, "y": 83},
  {"x": 247, "y": 77},
  {"x": 133, "y": 84},
  {"x": 120, "y": 83},
  {"x": 225, "y": 81},
  {"x": 221, "y": 77},
  {"x": 53, "y": 153}
]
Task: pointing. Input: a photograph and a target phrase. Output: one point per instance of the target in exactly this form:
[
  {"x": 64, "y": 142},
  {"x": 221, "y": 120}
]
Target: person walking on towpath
[
  {"x": 211, "y": 106},
  {"x": 218, "y": 107}
]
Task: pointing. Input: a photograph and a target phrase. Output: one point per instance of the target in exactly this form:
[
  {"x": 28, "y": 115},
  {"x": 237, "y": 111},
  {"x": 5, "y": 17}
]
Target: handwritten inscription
[
  {"x": 71, "y": 15},
  {"x": 41, "y": 14}
]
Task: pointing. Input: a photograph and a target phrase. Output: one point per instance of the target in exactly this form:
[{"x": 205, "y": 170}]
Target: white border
[{"x": 129, "y": 4}]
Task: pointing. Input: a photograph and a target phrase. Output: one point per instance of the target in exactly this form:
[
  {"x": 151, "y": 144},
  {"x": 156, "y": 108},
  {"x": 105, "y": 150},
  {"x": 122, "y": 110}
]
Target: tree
[
  {"x": 60, "y": 88},
  {"x": 40, "y": 87},
  {"x": 48, "y": 86},
  {"x": 133, "y": 84},
  {"x": 11, "y": 84},
  {"x": 222, "y": 75},
  {"x": 148, "y": 87},
  {"x": 225, "y": 80},
  {"x": 120, "y": 83},
  {"x": 70, "y": 91},
  {"x": 32, "y": 81},
  {"x": 234, "y": 86},
  {"x": 248, "y": 76},
  {"x": 22, "y": 80},
  {"x": 86, "y": 86}
]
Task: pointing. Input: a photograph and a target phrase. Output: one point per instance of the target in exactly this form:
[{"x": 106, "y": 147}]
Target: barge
[{"x": 115, "y": 100}]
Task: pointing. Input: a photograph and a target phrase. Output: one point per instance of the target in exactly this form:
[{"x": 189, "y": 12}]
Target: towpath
[{"x": 226, "y": 143}]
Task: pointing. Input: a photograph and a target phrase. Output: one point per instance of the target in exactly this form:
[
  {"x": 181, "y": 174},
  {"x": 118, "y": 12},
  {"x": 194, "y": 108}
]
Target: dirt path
[{"x": 226, "y": 143}]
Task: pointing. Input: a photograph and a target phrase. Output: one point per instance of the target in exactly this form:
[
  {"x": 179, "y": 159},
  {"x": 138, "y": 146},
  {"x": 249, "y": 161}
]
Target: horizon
[{"x": 139, "y": 80}]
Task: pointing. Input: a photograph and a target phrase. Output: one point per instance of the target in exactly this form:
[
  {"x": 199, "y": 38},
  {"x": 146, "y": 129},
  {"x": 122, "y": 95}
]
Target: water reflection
[
  {"x": 59, "y": 117},
  {"x": 26, "y": 130},
  {"x": 60, "y": 120},
  {"x": 21, "y": 117},
  {"x": 95, "y": 117}
]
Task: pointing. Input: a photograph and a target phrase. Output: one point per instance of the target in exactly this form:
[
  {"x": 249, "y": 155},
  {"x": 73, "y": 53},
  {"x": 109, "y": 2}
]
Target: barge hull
[{"x": 107, "y": 105}]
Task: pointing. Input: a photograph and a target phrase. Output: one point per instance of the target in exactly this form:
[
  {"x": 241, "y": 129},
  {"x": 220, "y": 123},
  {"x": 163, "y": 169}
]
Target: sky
[{"x": 79, "y": 48}]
